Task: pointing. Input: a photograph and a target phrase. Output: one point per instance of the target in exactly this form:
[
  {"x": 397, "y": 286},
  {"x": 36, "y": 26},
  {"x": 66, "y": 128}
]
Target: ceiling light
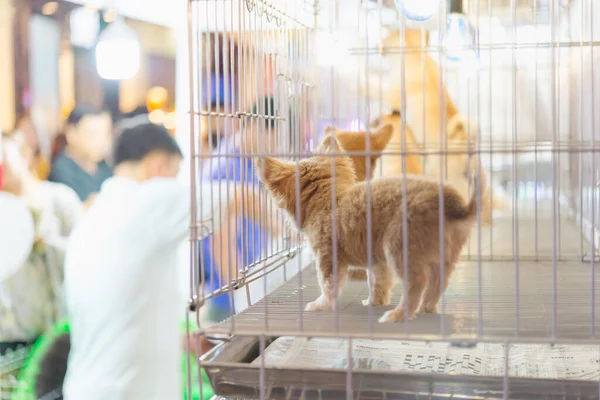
[
  {"x": 118, "y": 51},
  {"x": 84, "y": 27}
]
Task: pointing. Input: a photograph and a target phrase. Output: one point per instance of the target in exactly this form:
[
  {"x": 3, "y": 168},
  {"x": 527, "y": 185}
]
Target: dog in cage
[
  {"x": 392, "y": 164},
  {"x": 337, "y": 228},
  {"x": 428, "y": 108},
  {"x": 360, "y": 142}
]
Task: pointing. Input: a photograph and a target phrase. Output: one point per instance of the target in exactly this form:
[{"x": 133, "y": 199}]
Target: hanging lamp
[{"x": 117, "y": 51}]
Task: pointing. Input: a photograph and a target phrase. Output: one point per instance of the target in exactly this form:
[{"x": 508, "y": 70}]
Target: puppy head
[
  {"x": 309, "y": 181},
  {"x": 357, "y": 142},
  {"x": 322, "y": 166}
]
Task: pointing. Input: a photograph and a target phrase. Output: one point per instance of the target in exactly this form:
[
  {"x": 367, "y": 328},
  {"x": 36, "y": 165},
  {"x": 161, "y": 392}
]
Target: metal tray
[{"x": 231, "y": 374}]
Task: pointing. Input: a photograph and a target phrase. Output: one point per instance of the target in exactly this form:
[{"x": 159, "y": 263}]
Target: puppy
[
  {"x": 386, "y": 198},
  {"x": 456, "y": 166},
  {"x": 428, "y": 103},
  {"x": 357, "y": 142},
  {"x": 429, "y": 106},
  {"x": 391, "y": 164}
]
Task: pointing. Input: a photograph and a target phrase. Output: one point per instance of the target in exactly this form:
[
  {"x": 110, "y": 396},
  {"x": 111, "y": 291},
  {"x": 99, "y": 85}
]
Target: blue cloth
[
  {"x": 231, "y": 166},
  {"x": 250, "y": 239},
  {"x": 210, "y": 86}
]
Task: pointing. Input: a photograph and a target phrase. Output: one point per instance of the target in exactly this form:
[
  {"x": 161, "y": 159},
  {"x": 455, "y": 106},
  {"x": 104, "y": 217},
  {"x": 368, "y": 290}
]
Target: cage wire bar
[{"x": 522, "y": 299}]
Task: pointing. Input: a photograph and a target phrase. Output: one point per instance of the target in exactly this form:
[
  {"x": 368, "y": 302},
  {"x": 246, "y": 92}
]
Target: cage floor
[
  {"x": 498, "y": 309},
  {"x": 534, "y": 233}
]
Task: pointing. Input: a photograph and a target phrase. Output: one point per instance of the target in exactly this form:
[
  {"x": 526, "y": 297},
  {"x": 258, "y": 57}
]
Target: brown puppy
[
  {"x": 386, "y": 197},
  {"x": 391, "y": 164},
  {"x": 357, "y": 142},
  {"x": 457, "y": 165},
  {"x": 428, "y": 107},
  {"x": 386, "y": 130},
  {"x": 251, "y": 205}
]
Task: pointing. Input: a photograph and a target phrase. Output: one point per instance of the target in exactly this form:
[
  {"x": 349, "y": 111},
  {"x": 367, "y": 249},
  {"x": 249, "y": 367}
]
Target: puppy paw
[
  {"x": 382, "y": 299},
  {"x": 320, "y": 304},
  {"x": 394, "y": 316},
  {"x": 377, "y": 301},
  {"x": 379, "y": 297},
  {"x": 428, "y": 309}
]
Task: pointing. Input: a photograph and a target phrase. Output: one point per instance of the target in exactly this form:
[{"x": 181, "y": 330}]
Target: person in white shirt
[{"x": 121, "y": 284}]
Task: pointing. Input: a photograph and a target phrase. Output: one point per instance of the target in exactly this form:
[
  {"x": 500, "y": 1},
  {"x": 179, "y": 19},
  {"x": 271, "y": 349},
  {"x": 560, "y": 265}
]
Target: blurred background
[{"x": 56, "y": 66}]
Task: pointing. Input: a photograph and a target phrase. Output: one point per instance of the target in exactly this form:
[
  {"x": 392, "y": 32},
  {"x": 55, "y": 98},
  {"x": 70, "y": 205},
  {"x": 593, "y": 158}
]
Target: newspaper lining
[{"x": 576, "y": 362}]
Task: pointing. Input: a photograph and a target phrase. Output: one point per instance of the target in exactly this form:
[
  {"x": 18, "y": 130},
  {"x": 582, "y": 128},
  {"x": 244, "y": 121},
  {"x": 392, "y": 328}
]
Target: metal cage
[{"x": 520, "y": 317}]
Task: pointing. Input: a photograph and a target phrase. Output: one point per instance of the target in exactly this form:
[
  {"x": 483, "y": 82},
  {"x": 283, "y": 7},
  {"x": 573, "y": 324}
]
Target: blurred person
[
  {"x": 242, "y": 238},
  {"x": 31, "y": 298},
  {"x": 82, "y": 164},
  {"x": 36, "y": 139},
  {"x": 260, "y": 135},
  {"x": 43, "y": 373},
  {"x": 122, "y": 292},
  {"x": 57, "y": 203}
]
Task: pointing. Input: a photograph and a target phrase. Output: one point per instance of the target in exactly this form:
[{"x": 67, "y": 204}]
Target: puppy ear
[
  {"x": 375, "y": 123},
  {"x": 269, "y": 170},
  {"x": 345, "y": 140},
  {"x": 330, "y": 130},
  {"x": 458, "y": 128},
  {"x": 382, "y": 137},
  {"x": 329, "y": 144}
]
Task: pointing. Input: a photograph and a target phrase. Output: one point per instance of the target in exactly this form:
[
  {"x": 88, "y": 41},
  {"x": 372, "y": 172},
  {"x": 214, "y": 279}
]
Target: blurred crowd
[
  {"x": 60, "y": 181},
  {"x": 57, "y": 186}
]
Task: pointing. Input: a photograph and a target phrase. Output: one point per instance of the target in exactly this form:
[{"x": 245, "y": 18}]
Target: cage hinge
[
  {"x": 195, "y": 303},
  {"x": 205, "y": 229},
  {"x": 235, "y": 284}
]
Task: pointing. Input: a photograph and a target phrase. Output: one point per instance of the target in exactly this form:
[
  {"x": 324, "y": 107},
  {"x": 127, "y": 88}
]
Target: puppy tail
[
  {"x": 479, "y": 179},
  {"x": 455, "y": 207},
  {"x": 479, "y": 186}
]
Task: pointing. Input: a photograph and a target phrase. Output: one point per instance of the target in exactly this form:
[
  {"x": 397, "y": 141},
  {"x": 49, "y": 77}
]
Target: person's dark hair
[
  {"x": 134, "y": 143},
  {"x": 267, "y": 110},
  {"x": 81, "y": 111},
  {"x": 53, "y": 368}
]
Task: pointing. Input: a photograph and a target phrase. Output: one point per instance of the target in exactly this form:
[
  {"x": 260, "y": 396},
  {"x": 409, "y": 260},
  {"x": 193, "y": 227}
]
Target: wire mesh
[{"x": 516, "y": 96}]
